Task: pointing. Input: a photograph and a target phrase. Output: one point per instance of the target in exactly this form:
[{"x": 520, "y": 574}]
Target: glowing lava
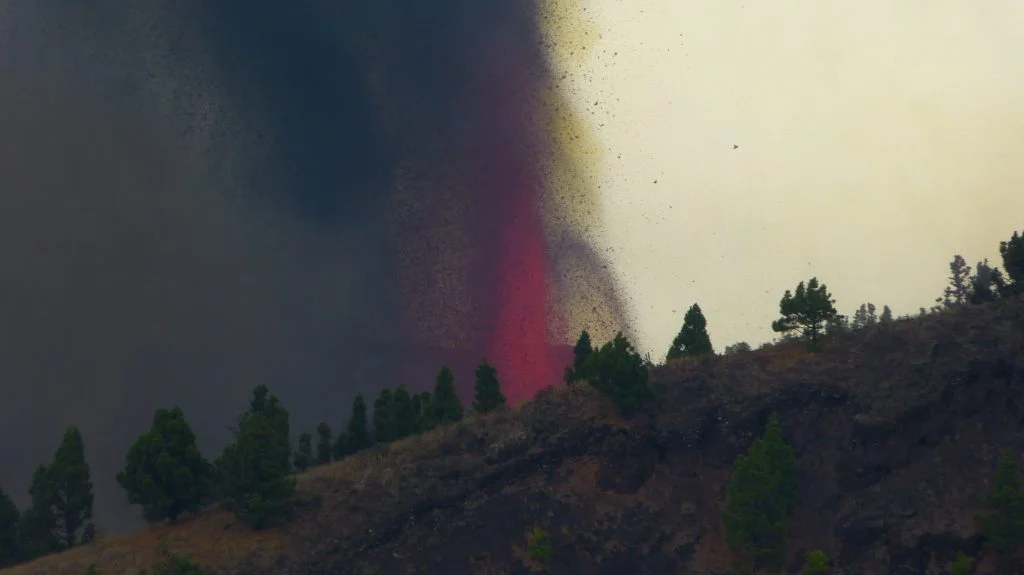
[{"x": 520, "y": 345}]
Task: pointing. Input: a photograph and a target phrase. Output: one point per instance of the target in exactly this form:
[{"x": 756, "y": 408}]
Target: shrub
[
  {"x": 961, "y": 565},
  {"x": 538, "y": 544},
  {"x": 817, "y": 563},
  {"x": 1002, "y": 520}
]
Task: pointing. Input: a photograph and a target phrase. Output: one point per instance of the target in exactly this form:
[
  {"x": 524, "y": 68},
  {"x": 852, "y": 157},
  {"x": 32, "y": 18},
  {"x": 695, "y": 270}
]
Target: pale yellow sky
[{"x": 876, "y": 137}]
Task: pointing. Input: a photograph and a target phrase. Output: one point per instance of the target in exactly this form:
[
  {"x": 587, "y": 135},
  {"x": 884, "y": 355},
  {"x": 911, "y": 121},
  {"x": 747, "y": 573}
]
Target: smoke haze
[{"x": 199, "y": 197}]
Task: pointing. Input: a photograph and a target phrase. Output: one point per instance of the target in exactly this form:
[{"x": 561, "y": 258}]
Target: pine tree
[
  {"x": 806, "y": 311},
  {"x": 1002, "y": 521},
  {"x": 253, "y": 470},
  {"x": 404, "y": 412},
  {"x": 487, "y": 389},
  {"x": 38, "y": 525},
  {"x": 886, "y": 317},
  {"x": 423, "y": 405},
  {"x": 692, "y": 339},
  {"x": 958, "y": 292},
  {"x": 445, "y": 405},
  {"x": 738, "y": 347},
  {"x": 617, "y": 371},
  {"x": 303, "y": 457},
  {"x": 357, "y": 435},
  {"x": 987, "y": 284},
  {"x": 324, "y": 443},
  {"x": 72, "y": 488},
  {"x": 164, "y": 472},
  {"x": 1012, "y": 252},
  {"x": 580, "y": 352},
  {"x": 384, "y": 428},
  {"x": 864, "y": 316},
  {"x": 9, "y": 544},
  {"x": 759, "y": 499}
]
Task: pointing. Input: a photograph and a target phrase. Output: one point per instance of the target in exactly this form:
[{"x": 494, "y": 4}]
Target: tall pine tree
[
  {"x": 384, "y": 428},
  {"x": 487, "y": 389},
  {"x": 403, "y": 412},
  {"x": 446, "y": 405},
  {"x": 759, "y": 499},
  {"x": 72, "y": 489},
  {"x": 324, "y": 443},
  {"x": 9, "y": 544},
  {"x": 692, "y": 339},
  {"x": 357, "y": 433},
  {"x": 806, "y": 311},
  {"x": 1002, "y": 521},
  {"x": 580, "y": 352}
]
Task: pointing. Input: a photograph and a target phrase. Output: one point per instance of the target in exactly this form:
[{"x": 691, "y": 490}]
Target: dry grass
[{"x": 368, "y": 490}]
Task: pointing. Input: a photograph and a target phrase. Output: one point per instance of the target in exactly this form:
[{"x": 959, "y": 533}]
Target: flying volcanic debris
[{"x": 328, "y": 198}]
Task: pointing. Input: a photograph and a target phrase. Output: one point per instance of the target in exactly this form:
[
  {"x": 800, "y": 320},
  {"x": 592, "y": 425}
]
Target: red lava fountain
[{"x": 520, "y": 346}]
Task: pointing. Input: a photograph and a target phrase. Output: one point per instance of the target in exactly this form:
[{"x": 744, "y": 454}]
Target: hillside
[{"x": 895, "y": 429}]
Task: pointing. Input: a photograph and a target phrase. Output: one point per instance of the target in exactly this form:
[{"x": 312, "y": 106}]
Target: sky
[{"x": 876, "y": 139}]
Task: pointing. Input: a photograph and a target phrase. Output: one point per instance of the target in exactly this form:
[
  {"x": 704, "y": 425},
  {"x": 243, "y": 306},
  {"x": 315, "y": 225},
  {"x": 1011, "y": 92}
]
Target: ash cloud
[{"x": 199, "y": 197}]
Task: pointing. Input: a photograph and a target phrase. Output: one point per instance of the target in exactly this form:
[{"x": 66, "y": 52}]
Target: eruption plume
[{"x": 328, "y": 198}]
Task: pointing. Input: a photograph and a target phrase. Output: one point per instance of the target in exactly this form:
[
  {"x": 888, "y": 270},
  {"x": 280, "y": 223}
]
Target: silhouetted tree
[
  {"x": 72, "y": 489},
  {"x": 1002, "y": 520},
  {"x": 619, "y": 372},
  {"x": 384, "y": 428},
  {"x": 164, "y": 471},
  {"x": 886, "y": 317},
  {"x": 864, "y": 316},
  {"x": 357, "y": 434},
  {"x": 692, "y": 339},
  {"x": 1012, "y": 252},
  {"x": 324, "y": 443},
  {"x": 987, "y": 284},
  {"x": 958, "y": 292},
  {"x": 9, "y": 519},
  {"x": 738, "y": 347},
  {"x": 759, "y": 499},
  {"x": 445, "y": 404},
  {"x": 253, "y": 471},
  {"x": 404, "y": 412},
  {"x": 38, "y": 526},
  {"x": 423, "y": 405},
  {"x": 806, "y": 311},
  {"x": 837, "y": 324},
  {"x": 580, "y": 352},
  {"x": 487, "y": 389},
  {"x": 303, "y": 457}
]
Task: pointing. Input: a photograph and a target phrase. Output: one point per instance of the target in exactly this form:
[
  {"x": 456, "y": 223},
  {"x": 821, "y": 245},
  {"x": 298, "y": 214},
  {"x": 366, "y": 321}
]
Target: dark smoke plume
[{"x": 197, "y": 197}]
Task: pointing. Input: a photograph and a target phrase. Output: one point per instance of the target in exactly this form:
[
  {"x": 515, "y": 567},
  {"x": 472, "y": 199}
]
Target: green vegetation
[
  {"x": 167, "y": 476},
  {"x": 165, "y": 473},
  {"x": 619, "y": 372},
  {"x": 253, "y": 471},
  {"x": 817, "y": 563},
  {"x": 9, "y": 518},
  {"x": 961, "y": 565},
  {"x": 806, "y": 311},
  {"x": 538, "y": 545},
  {"x": 445, "y": 406},
  {"x": 487, "y": 390},
  {"x": 580, "y": 353},
  {"x": 324, "y": 444},
  {"x": 759, "y": 499},
  {"x": 1002, "y": 519},
  {"x": 303, "y": 457},
  {"x": 693, "y": 339}
]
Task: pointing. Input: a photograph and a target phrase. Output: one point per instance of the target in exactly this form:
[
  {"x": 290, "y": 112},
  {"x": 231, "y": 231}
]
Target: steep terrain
[{"x": 895, "y": 428}]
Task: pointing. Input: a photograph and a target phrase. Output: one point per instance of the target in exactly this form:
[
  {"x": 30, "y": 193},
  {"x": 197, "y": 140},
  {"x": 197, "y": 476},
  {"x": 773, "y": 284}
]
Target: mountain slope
[{"x": 896, "y": 430}]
